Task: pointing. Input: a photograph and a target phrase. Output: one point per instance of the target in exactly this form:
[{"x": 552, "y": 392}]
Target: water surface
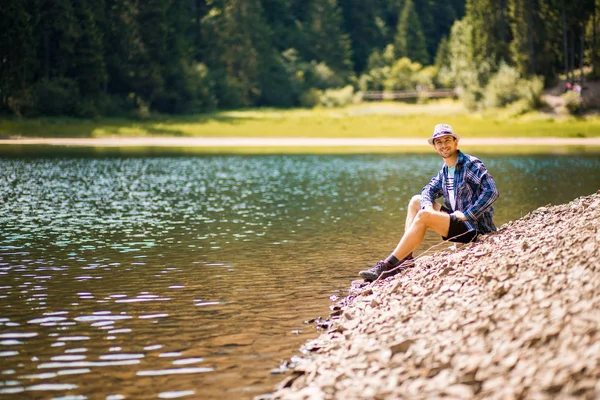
[{"x": 191, "y": 277}]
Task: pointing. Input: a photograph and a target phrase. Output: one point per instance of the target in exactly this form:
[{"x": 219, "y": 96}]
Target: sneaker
[
  {"x": 373, "y": 273},
  {"x": 382, "y": 266}
]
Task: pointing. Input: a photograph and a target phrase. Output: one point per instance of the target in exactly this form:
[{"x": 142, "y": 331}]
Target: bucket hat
[{"x": 442, "y": 130}]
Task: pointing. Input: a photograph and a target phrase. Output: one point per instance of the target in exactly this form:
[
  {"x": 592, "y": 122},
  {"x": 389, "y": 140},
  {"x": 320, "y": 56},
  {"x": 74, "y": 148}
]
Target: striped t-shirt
[{"x": 450, "y": 186}]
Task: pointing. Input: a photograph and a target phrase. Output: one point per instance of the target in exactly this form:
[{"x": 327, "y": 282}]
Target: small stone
[
  {"x": 402, "y": 347},
  {"x": 459, "y": 391}
]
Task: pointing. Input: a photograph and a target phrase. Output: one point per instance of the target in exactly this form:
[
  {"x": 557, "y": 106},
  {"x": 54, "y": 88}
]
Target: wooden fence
[{"x": 409, "y": 94}]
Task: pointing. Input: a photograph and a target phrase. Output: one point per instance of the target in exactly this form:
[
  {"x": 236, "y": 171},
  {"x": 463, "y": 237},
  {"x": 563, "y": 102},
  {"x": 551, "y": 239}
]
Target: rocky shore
[{"x": 514, "y": 316}]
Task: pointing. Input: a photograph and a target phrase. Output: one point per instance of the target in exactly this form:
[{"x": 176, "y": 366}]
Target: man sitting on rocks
[{"x": 468, "y": 190}]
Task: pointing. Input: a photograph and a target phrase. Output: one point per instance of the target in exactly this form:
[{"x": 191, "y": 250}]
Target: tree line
[{"x": 118, "y": 57}]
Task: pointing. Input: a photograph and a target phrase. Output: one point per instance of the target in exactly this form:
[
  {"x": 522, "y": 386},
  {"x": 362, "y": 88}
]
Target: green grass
[
  {"x": 145, "y": 151},
  {"x": 384, "y": 119}
]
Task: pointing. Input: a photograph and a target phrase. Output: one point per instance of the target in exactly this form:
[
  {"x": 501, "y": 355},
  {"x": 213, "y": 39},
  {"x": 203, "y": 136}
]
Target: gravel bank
[{"x": 516, "y": 315}]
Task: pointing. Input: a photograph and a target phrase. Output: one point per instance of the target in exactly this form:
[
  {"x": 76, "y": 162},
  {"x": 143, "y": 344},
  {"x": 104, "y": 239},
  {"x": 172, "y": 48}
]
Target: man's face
[{"x": 445, "y": 146}]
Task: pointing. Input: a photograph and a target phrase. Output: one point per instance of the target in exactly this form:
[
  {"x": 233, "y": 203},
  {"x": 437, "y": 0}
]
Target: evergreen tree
[
  {"x": 177, "y": 95},
  {"x": 443, "y": 15},
  {"x": 389, "y": 11},
  {"x": 152, "y": 22},
  {"x": 327, "y": 41},
  {"x": 88, "y": 68},
  {"x": 486, "y": 18},
  {"x": 443, "y": 64},
  {"x": 121, "y": 46},
  {"x": 59, "y": 32},
  {"x": 360, "y": 22},
  {"x": 429, "y": 28},
  {"x": 241, "y": 50},
  {"x": 284, "y": 24},
  {"x": 17, "y": 53},
  {"x": 522, "y": 46},
  {"x": 463, "y": 69},
  {"x": 536, "y": 47},
  {"x": 410, "y": 40},
  {"x": 165, "y": 55}
]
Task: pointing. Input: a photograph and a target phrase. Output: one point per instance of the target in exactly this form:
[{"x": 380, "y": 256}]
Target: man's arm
[
  {"x": 432, "y": 190},
  {"x": 489, "y": 194}
]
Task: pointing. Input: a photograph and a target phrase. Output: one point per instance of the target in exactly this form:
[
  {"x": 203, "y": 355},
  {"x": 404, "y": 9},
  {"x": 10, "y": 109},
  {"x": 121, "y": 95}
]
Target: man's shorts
[{"x": 458, "y": 230}]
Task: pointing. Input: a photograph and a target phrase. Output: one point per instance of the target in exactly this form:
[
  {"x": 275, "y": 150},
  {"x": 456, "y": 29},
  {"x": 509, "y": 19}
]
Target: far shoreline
[{"x": 166, "y": 145}]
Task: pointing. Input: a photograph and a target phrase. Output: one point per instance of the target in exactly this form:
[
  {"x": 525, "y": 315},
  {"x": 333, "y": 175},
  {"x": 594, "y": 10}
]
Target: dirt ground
[
  {"x": 514, "y": 316},
  {"x": 590, "y": 95}
]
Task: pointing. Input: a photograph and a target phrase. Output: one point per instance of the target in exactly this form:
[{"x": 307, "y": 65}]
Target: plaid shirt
[{"x": 474, "y": 188}]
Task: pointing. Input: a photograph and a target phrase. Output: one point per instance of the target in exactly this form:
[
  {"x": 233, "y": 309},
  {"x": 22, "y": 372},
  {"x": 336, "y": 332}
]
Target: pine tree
[
  {"x": 429, "y": 26},
  {"x": 17, "y": 53},
  {"x": 522, "y": 46},
  {"x": 153, "y": 28},
  {"x": 89, "y": 68},
  {"x": 443, "y": 14},
  {"x": 487, "y": 18},
  {"x": 241, "y": 50},
  {"x": 59, "y": 31},
  {"x": 327, "y": 41},
  {"x": 410, "y": 40},
  {"x": 122, "y": 46},
  {"x": 284, "y": 24},
  {"x": 360, "y": 22}
]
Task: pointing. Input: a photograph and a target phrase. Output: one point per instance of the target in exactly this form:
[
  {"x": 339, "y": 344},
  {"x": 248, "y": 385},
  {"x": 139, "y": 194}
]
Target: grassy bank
[
  {"x": 363, "y": 120},
  {"x": 166, "y": 151}
]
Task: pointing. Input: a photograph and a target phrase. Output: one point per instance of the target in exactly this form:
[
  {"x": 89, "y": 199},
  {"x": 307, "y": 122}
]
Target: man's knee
[
  {"x": 428, "y": 217},
  {"x": 423, "y": 216},
  {"x": 415, "y": 202},
  {"x": 433, "y": 220}
]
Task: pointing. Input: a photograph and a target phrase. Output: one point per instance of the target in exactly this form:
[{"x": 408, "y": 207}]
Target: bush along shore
[{"x": 513, "y": 316}]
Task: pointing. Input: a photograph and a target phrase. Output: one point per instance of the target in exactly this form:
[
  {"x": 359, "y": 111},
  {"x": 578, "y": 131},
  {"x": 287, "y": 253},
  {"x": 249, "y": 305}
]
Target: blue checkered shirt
[{"x": 474, "y": 188}]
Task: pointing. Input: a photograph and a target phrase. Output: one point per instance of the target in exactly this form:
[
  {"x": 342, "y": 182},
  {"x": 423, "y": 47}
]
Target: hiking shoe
[
  {"x": 373, "y": 273},
  {"x": 407, "y": 262}
]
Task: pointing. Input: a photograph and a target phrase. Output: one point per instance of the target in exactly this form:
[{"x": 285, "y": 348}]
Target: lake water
[{"x": 191, "y": 277}]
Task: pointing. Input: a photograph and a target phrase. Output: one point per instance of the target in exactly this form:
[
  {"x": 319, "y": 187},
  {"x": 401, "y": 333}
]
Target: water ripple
[
  {"x": 175, "y": 371},
  {"x": 166, "y": 272}
]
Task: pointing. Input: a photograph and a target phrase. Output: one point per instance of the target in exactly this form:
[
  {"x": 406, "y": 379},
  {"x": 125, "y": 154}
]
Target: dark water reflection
[{"x": 191, "y": 277}]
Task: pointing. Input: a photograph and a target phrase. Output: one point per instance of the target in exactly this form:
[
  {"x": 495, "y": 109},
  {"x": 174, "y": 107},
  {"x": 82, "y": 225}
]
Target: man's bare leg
[
  {"x": 431, "y": 218},
  {"x": 417, "y": 223},
  {"x": 414, "y": 205}
]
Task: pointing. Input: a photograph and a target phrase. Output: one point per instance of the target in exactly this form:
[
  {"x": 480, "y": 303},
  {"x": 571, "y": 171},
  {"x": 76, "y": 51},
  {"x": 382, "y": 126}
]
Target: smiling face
[{"x": 446, "y": 146}]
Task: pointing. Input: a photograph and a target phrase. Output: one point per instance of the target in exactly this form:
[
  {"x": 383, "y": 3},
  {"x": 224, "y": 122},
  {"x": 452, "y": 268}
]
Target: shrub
[
  {"x": 330, "y": 97},
  {"x": 519, "y": 107},
  {"x": 380, "y": 59},
  {"x": 58, "y": 96},
  {"x": 425, "y": 77},
  {"x": 310, "y": 98},
  {"x": 339, "y": 97},
  {"x": 200, "y": 88},
  {"x": 503, "y": 87},
  {"x": 374, "y": 80},
  {"x": 86, "y": 108},
  {"x": 531, "y": 91},
  {"x": 470, "y": 98},
  {"x": 572, "y": 101},
  {"x": 507, "y": 87},
  {"x": 21, "y": 103},
  {"x": 402, "y": 75},
  {"x": 112, "y": 105},
  {"x": 322, "y": 77}
]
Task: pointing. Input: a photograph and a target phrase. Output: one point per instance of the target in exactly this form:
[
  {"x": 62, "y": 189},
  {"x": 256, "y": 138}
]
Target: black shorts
[{"x": 458, "y": 230}]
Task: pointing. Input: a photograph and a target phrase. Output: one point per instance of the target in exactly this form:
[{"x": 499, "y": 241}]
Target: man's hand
[{"x": 459, "y": 215}]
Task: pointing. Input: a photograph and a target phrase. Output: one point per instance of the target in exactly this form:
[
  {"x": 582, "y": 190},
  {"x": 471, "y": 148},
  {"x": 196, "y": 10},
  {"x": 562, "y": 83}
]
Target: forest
[{"x": 90, "y": 58}]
